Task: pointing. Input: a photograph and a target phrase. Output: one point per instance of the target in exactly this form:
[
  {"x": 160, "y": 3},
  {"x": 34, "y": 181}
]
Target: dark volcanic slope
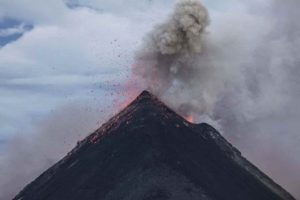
[{"x": 148, "y": 152}]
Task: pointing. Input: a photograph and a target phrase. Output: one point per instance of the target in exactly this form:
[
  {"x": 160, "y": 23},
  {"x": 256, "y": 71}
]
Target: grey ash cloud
[{"x": 241, "y": 73}]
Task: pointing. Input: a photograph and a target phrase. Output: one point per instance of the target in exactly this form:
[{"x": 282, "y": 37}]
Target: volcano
[{"x": 148, "y": 152}]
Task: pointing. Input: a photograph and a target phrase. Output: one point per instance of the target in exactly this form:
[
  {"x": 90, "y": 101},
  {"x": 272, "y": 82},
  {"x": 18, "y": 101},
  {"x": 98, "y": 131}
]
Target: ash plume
[
  {"x": 173, "y": 53},
  {"x": 240, "y": 74}
]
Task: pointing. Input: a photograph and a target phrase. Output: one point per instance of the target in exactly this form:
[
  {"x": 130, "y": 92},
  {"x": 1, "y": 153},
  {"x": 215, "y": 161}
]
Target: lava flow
[{"x": 190, "y": 119}]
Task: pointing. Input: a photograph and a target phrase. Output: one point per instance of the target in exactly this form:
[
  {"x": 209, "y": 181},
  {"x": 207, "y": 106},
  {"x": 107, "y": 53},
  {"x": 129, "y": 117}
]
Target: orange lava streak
[{"x": 190, "y": 119}]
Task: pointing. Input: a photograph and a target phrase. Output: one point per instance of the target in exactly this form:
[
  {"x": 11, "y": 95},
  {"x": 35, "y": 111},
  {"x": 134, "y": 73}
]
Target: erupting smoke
[
  {"x": 180, "y": 36},
  {"x": 174, "y": 62},
  {"x": 241, "y": 75}
]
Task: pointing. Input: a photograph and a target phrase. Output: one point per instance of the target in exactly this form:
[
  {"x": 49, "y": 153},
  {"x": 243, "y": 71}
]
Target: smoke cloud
[
  {"x": 240, "y": 74},
  {"x": 174, "y": 61}
]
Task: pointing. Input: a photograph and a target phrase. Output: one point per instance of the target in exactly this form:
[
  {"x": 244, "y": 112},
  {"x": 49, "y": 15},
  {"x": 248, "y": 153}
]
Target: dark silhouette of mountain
[{"x": 148, "y": 152}]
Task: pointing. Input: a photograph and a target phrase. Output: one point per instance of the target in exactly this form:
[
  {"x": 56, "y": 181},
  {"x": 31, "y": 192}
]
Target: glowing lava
[{"x": 190, "y": 119}]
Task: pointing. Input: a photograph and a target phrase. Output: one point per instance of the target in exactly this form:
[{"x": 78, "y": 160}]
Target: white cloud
[
  {"x": 65, "y": 55},
  {"x": 33, "y": 11},
  {"x": 83, "y": 41},
  {"x": 12, "y": 31}
]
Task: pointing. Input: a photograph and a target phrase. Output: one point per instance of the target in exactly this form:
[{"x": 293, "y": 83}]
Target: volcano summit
[{"x": 148, "y": 152}]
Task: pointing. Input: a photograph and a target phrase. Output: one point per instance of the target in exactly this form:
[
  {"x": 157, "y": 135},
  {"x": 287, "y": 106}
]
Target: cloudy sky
[
  {"x": 56, "y": 52},
  {"x": 64, "y": 62}
]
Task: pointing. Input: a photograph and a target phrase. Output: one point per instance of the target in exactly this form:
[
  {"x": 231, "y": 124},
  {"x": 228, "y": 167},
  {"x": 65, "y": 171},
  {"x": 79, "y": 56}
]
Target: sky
[
  {"x": 74, "y": 54},
  {"x": 60, "y": 51},
  {"x": 63, "y": 64}
]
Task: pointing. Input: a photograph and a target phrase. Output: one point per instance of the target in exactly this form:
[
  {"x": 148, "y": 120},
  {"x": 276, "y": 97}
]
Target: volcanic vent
[{"x": 148, "y": 152}]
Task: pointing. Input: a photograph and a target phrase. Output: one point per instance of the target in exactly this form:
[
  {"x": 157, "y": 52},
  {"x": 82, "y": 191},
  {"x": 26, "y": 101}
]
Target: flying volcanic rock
[{"x": 148, "y": 152}]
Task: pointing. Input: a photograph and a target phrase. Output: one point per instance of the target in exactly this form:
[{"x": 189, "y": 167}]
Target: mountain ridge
[{"x": 146, "y": 143}]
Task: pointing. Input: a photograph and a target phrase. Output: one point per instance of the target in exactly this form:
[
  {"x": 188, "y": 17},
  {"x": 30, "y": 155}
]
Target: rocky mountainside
[{"x": 148, "y": 152}]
